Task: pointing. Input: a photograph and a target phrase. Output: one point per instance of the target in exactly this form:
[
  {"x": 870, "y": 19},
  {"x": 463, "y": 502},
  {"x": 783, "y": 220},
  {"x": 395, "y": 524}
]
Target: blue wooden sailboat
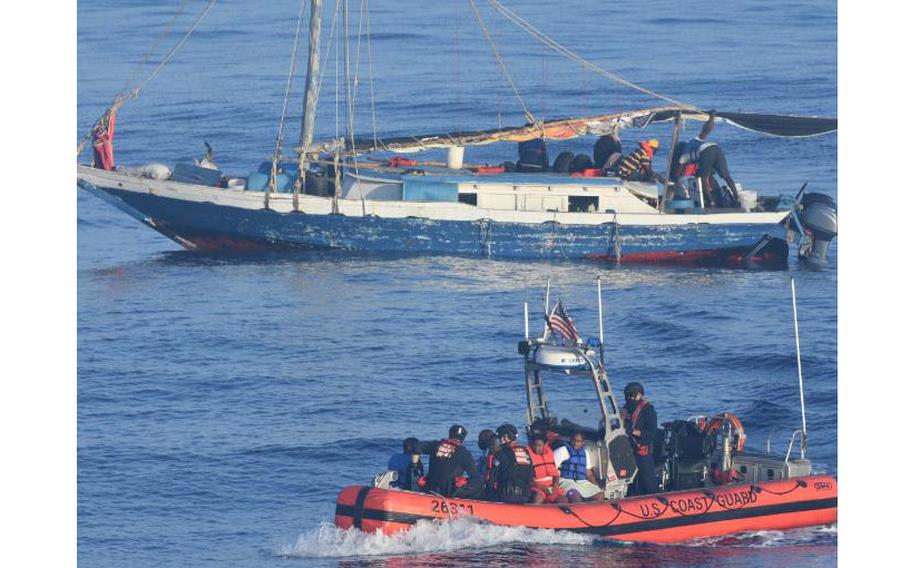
[{"x": 340, "y": 194}]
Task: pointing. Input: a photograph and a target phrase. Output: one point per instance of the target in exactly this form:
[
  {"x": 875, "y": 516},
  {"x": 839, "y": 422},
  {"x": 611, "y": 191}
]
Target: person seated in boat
[
  {"x": 637, "y": 165},
  {"x": 512, "y": 467},
  {"x": 545, "y": 481},
  {"x": 407, "y": 464},
  {"x": 607, "y": 151},
  {"x": 640, "y": 420},
  {"x": 544, "y": 427},
  {"x": 575, "y": 464},
  {"x": 453, "y": 472},
  {"x": 709, "y": 158},
  {"x": 489, "y": 445}
]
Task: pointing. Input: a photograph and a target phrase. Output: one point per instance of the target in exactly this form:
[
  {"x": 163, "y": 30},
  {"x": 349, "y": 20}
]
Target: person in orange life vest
[
  {"x": 637, "y": 165},
  {"x": 640, "y": 421},
  {"x": 545, "y": 481},
  {"x": 709, "y": 158},
  {"x": 489, "y": 444},
  {"x": 576, "y": 471},
  {"x": 512, "y": 468},
  {"x": 453, "y": 472}
]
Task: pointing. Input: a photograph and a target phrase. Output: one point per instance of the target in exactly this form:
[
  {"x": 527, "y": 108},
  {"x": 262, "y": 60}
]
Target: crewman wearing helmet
[
  {"x": 637, "y": 165},
  {"x": 513, "y": 469},
  {"x": 453, "y": 472},
  {"x": 640, "y": 421}
]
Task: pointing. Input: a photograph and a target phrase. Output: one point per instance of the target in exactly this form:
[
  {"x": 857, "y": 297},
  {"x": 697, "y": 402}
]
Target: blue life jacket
[
  {"x": 693, "y": 150},
  {"x": 400, "y": 463},
  {"x": 574, "y": 467}
]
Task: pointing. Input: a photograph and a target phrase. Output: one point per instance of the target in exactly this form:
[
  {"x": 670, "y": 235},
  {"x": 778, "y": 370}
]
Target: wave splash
[{"x": 329, "y": 541}]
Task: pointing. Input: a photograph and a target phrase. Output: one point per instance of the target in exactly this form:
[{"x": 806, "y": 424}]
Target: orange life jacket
[{"x": 544, "y": 467}]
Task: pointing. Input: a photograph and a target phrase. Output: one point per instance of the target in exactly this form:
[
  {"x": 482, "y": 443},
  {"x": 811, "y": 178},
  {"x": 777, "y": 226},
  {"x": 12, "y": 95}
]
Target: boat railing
[{"x": 796, "y": 433}]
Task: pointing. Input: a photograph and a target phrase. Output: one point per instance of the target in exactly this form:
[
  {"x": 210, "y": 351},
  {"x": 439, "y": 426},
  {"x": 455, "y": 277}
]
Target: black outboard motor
[{"x": 816, "y": 221}]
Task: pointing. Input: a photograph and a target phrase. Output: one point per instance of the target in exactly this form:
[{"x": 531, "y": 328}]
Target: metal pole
[
  {"x": 799, "y": 366},
  {"x": 546, "y": 312},
  {"x": 600, "y": 312},
  {"x": 677, "y": 127},
  {"x": 527, "y": 323}
]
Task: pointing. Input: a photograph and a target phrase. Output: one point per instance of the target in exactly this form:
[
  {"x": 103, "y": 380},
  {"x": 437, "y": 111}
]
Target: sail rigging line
[
  {"x": 348, "y": 89},
  {"x": 119, "y": 101},
  {"x": 581, "y": 61},
  {"x": 279, "y": 138},
  {"x": 486, "y": 33},
  {"x": 370, "y": 71},
  {"x": 148, "y": 54}
]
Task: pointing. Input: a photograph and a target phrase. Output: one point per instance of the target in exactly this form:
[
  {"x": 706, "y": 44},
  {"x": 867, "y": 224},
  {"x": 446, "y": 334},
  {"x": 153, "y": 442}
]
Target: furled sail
[{"x": 565, "y": 128}]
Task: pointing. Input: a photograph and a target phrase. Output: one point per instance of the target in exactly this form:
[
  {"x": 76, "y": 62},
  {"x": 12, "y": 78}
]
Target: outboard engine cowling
[{"x": 817, "y": 215}]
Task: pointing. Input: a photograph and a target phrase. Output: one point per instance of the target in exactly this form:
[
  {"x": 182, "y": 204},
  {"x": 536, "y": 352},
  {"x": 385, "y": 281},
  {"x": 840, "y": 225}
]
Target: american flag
[{"x": 562, "y": 324}]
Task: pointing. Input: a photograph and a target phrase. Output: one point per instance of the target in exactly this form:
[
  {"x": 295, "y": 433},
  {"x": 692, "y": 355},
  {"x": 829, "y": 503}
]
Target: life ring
[
  {"x": 401, "y": 161},
  {"x": 738, "y": 431},
  {"x": 488, "y": 169}
]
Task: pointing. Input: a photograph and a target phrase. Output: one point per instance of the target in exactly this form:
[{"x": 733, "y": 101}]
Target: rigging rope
[
  {"x": 279, "y": 139},
  {"x": 370, "y": 69},
  {"x": 148, "y": 54},
  {"x": 581, "y": 61},
  {"x": 120, "y": 100},
  {"x": 528, "y": 116}
]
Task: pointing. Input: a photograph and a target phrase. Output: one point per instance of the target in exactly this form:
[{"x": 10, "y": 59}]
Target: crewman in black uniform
[
  {"x": 453, "y": 472},
  {"x": 514, "y": 469},
  {"x": 640, "y": 420}
]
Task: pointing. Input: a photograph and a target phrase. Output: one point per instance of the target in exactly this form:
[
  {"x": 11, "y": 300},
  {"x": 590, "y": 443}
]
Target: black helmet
[
  {"x": 633, "y": 389},
  {"x": 457, "y": 431},
  {"x": 507, "y": 431},
  {"x": 483, "y": 439}
]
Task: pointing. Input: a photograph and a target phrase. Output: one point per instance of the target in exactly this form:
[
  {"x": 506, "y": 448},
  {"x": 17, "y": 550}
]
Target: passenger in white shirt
[{"x": 576, "y": 465}]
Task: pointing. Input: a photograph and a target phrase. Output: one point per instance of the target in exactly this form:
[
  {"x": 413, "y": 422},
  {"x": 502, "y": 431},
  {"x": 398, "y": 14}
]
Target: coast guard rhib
[{"x": 709, "y": 485}]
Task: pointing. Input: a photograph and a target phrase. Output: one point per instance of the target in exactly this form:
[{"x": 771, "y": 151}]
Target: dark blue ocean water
[{"x": 223, "y": 401}]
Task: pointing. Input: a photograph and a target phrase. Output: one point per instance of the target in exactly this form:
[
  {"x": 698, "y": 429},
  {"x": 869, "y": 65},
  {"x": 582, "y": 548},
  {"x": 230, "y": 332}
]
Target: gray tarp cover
[{"x": 775, "y": 124}]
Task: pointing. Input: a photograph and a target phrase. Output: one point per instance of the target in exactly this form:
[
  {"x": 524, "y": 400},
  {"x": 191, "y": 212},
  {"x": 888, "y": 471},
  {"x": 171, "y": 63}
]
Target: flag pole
[
  {"x": 527, "y": 324},
  {"x": 600, "y": 316}
]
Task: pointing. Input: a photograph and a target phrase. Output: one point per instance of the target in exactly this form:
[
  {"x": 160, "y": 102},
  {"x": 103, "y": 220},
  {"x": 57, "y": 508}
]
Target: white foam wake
[
  {"x": 807, "y": 536},
  {"x": 425, "y": 536}
]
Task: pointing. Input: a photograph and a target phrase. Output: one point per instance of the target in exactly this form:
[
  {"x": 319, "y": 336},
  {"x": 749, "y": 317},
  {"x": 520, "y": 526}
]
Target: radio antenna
[
  {"x": 799, "y": 366},
  {"x": 600, "y": 317}
]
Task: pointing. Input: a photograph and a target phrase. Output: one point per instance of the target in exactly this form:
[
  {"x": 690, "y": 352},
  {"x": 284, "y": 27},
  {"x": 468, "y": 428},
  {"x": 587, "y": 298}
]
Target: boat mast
[
  {"x": 310, "y": 97},
  {"x": 677, "y": 123}
]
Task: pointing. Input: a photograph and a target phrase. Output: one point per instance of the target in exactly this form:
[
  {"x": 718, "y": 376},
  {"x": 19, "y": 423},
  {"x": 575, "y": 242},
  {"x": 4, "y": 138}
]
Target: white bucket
[
  {"x": 456, "y": 157},
  {"x": 748, "y": 199},
  {"x": 236, "y": 183}
]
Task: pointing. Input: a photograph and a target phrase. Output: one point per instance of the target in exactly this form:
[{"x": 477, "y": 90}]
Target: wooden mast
[
  {"x": 310, "y": 97},
  {"x": 677, "y": 124}
]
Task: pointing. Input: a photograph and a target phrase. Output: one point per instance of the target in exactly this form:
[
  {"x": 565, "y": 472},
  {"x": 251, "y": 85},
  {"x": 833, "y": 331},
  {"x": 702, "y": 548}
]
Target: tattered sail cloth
[
  {"x": 103, "y": 140},
  {"x": 565, "y": 128}
]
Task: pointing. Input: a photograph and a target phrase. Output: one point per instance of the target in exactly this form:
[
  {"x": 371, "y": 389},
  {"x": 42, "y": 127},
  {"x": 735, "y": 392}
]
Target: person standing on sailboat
[{"x": 710, "y": 158}]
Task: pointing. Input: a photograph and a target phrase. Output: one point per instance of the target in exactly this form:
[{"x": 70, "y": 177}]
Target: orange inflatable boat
[
  {"x": 708, "y": 483},
  {"x": 663, "y": 518}
]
